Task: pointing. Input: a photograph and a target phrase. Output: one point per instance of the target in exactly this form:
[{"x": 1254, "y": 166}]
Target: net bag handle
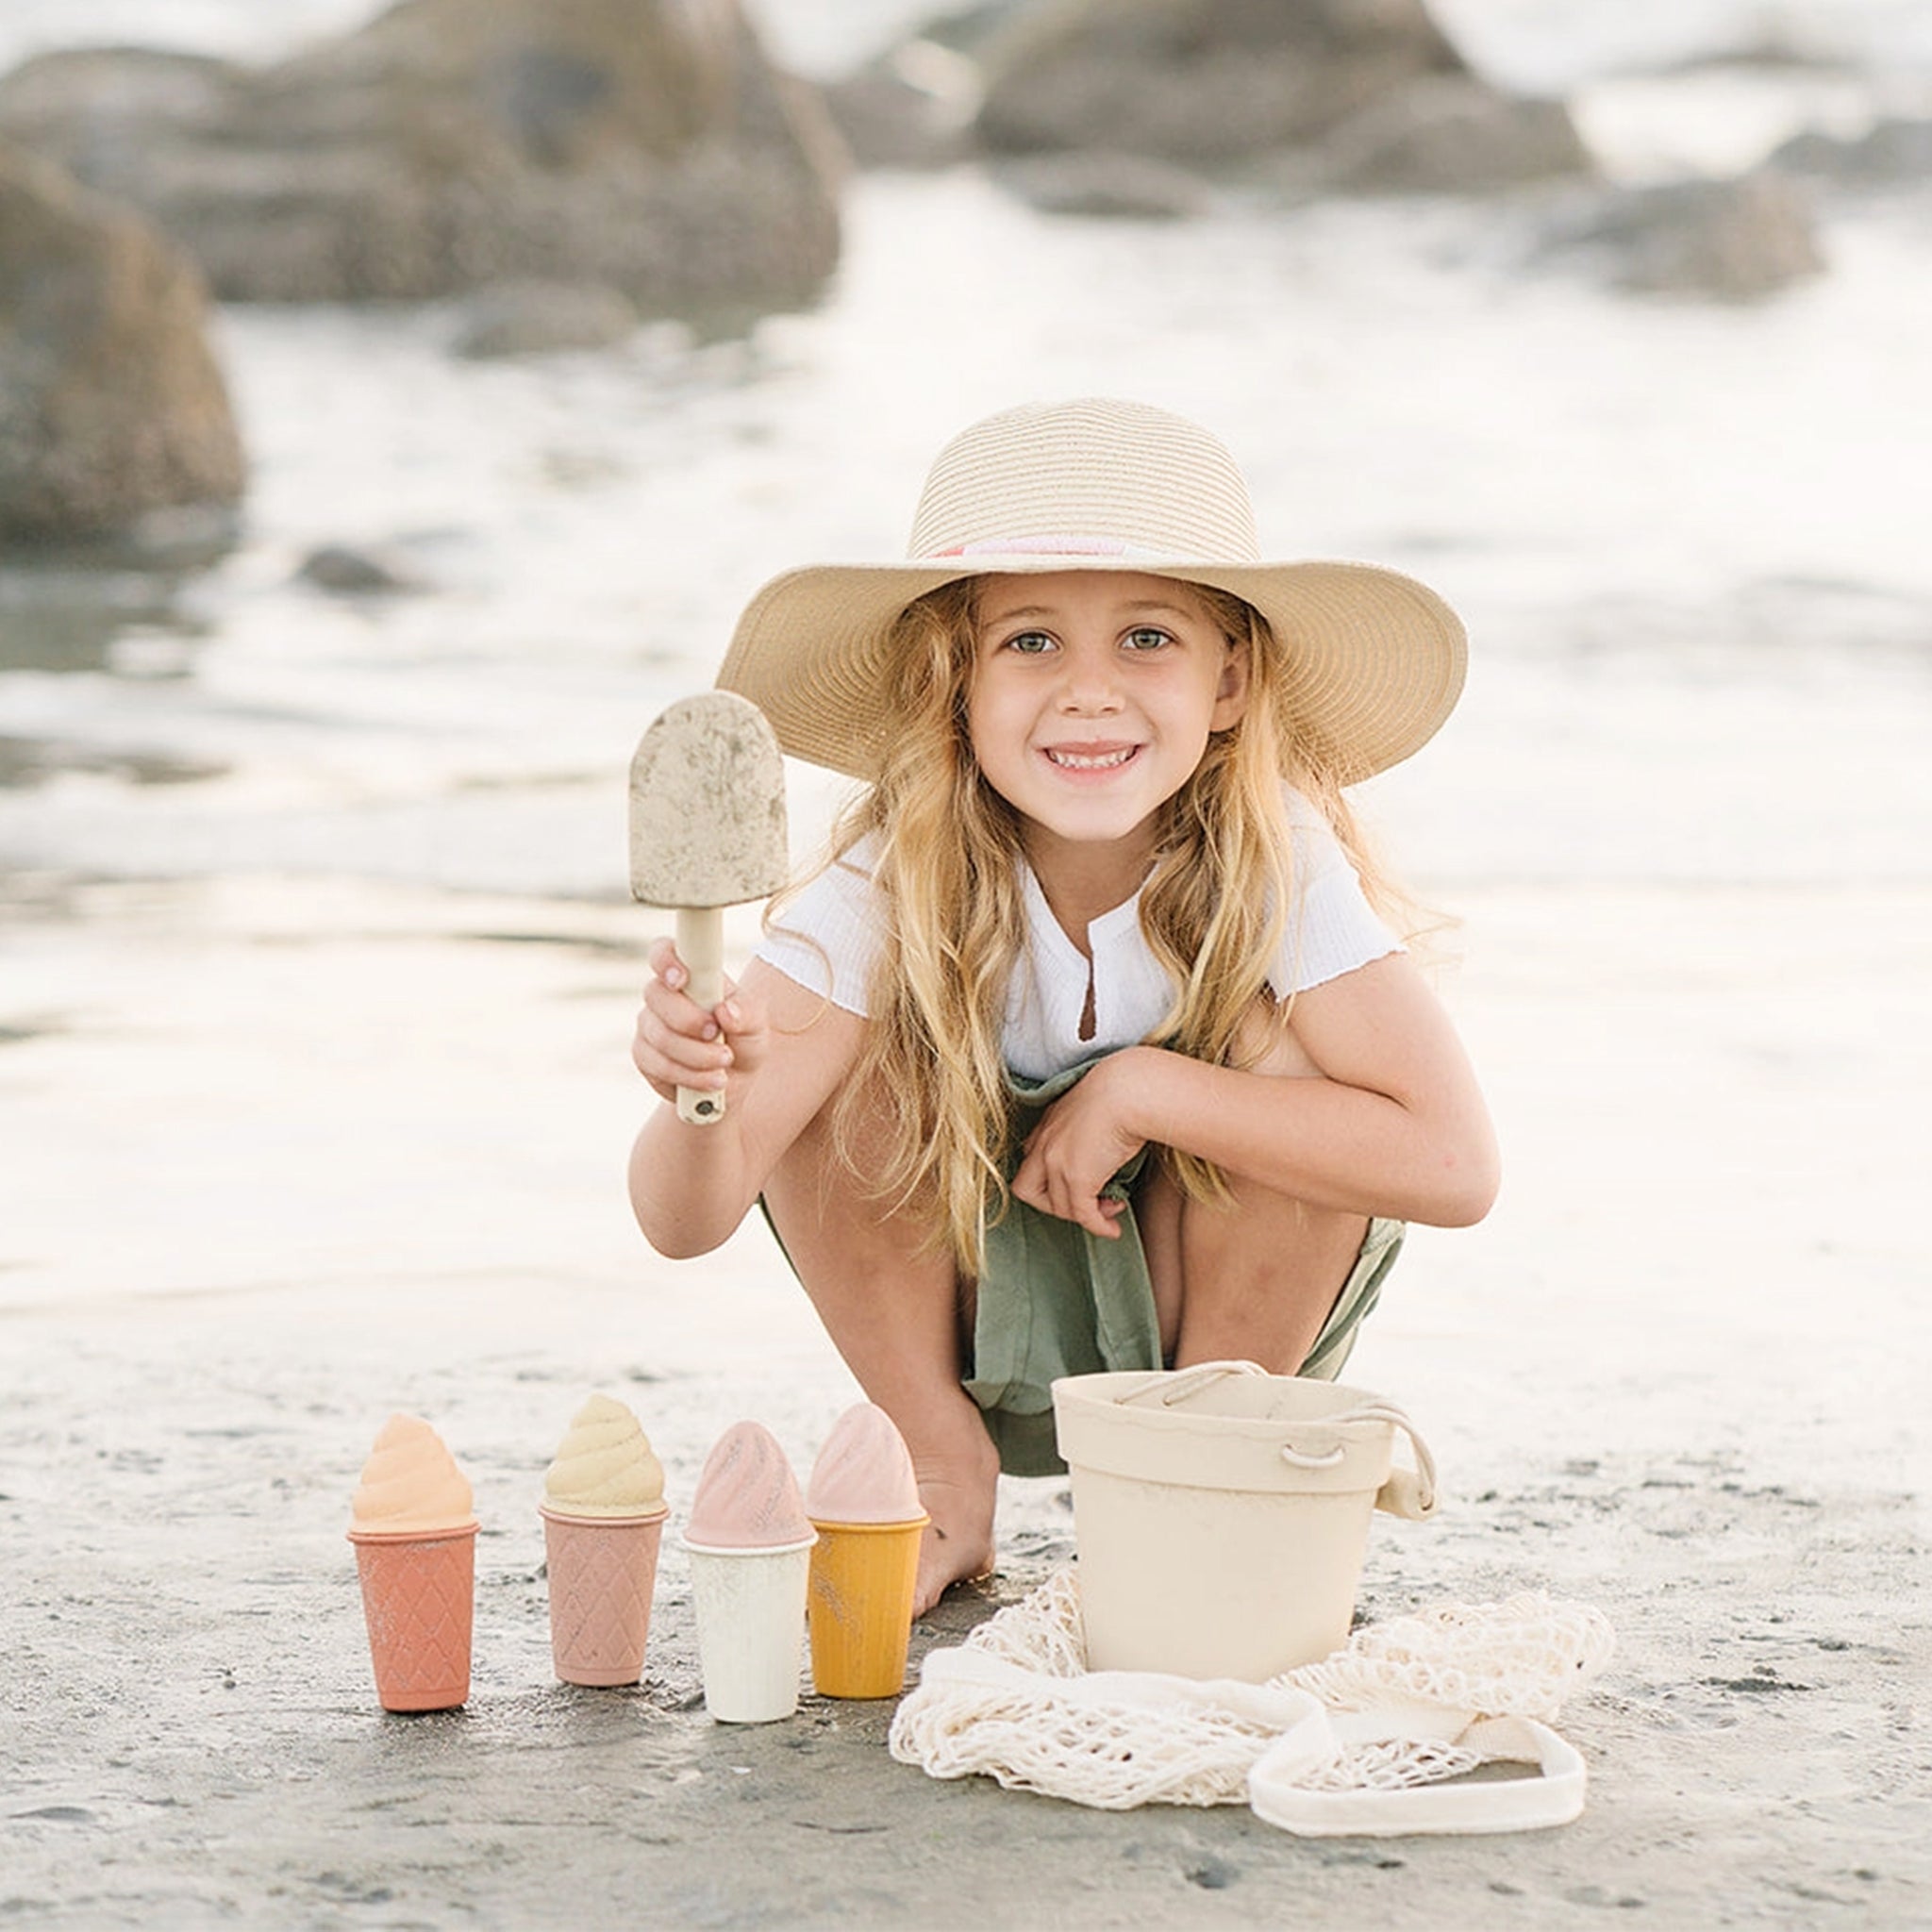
[{"x": 1554, "y": 1796}]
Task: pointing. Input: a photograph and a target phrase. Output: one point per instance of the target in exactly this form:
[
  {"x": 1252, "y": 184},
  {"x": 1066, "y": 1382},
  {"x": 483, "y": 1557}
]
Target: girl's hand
[
  {"x": 1081, "y": 1140},
  {"x": 677, "y": 1043}
]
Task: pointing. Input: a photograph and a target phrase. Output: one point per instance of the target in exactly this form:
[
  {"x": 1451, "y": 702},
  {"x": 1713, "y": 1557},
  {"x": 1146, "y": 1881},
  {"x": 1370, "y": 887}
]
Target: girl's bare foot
[{"x": 957, "y": 1545}]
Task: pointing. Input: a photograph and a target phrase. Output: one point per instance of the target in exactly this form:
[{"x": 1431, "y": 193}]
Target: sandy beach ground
[{"x": 1678, "y": 1375}]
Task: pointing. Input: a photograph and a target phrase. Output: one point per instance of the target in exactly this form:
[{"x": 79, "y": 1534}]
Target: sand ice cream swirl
[
  {"x": 410, "y": 1484},
  {"x": 604, "y": 1466}
]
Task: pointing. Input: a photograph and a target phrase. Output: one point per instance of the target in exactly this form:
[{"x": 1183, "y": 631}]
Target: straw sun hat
[{"x": 1375, "y": 658}]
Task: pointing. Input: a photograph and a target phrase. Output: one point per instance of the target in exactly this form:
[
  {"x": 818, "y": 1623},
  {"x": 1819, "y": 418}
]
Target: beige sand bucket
[{"x": 1222, "y": 1513}]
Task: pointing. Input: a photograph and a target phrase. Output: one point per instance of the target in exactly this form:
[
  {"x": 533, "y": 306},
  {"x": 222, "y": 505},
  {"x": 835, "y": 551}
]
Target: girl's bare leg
[
  {"x": 1255, "y": 1279},
  {"x": 894, "y": 1314}
]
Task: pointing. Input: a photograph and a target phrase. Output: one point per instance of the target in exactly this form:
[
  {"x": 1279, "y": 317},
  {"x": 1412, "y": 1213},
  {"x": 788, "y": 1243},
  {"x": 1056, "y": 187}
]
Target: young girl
[{"x": 1085, "y": 1049}]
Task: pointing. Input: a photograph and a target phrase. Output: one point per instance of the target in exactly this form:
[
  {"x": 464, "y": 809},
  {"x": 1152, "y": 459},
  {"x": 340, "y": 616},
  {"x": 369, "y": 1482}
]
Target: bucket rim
[{"x": 1084, "y": 1392}]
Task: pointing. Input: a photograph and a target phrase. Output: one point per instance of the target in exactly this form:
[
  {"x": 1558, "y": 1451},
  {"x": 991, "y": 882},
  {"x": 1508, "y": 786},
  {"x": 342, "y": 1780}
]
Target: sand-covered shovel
[{"x": 707, "y": 831}]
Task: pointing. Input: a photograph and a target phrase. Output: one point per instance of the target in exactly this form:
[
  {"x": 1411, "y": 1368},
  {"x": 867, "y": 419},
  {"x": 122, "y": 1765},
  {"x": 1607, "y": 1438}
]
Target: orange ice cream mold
[{"x": 414, "y": 1529}]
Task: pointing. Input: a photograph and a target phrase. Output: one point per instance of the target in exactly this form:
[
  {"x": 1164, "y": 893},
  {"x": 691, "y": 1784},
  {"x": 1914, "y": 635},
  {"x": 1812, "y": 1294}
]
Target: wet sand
[{"x": 285, "y": 1157}]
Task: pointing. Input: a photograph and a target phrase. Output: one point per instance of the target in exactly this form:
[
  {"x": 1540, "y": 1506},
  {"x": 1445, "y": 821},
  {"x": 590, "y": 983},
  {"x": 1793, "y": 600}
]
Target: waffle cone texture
[
  {"x": 603, "y": 1572},
  {"x": 418, "y": 1600}
]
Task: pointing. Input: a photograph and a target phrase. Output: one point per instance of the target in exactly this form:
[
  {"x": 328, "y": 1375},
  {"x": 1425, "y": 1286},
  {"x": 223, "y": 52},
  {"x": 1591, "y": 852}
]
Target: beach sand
[{"x": 1677, "y": 1373}]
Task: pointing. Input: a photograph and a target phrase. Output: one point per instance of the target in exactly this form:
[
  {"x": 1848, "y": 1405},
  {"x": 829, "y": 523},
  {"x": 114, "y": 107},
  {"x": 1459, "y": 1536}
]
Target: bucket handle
[
  {"x": 1407, "y": 1492},
  {"x": 1190, "y": 1382}
]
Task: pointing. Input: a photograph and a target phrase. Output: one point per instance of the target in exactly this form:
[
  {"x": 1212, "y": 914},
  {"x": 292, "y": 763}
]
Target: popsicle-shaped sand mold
[{"x": 707, "y": 831}]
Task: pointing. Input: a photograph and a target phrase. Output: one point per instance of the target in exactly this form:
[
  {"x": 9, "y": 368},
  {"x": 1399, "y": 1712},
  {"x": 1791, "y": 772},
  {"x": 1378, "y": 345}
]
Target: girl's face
[{"x": 1092, "y": 697}]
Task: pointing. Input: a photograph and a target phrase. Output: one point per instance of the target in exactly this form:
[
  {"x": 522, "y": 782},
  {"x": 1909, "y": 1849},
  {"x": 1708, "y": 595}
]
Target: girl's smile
[
  {"x": 1093, "y": 695},
  {"x": 1092, "y": 758}
]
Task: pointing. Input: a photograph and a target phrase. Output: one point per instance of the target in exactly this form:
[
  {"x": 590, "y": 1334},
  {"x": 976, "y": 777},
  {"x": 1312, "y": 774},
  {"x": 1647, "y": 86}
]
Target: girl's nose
[{"x": 1090, "y": 682}]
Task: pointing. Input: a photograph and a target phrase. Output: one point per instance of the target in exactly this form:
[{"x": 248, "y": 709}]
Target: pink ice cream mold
[
  {"x": 864, "y": 1473},
  {"x": 747, "y": 1496}
]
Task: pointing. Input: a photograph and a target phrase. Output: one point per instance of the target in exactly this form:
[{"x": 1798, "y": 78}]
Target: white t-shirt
[{"x": 827, "y": 940}]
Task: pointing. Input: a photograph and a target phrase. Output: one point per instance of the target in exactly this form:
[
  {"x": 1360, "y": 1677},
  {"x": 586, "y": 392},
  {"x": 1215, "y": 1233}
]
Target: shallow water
[{"x": 1701, "y": 612}]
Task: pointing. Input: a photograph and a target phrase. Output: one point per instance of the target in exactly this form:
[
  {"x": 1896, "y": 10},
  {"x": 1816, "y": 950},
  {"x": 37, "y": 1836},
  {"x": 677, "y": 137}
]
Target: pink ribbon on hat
[{"x": 1048, "y": 546}]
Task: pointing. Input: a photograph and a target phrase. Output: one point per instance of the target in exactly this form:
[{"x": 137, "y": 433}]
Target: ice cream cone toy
[
  {"x": 863, "y": 1501},
  {"x": 603, "y": 1513},
  {"x": 750, "y": 1547},
  {"x": 415, "y": 1538}
]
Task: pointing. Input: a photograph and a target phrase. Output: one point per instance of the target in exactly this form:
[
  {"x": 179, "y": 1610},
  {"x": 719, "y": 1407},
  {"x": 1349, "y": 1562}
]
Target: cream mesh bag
[{"x": 1378, "y": 1738}]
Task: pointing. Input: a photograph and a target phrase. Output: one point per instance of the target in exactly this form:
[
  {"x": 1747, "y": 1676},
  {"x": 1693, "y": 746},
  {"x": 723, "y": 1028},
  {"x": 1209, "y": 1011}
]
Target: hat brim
[{"x": 1375, "y": 660}]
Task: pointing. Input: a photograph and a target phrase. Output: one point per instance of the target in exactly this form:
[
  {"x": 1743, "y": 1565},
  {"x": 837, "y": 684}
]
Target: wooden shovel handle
[{"x": 701, "y": 947}]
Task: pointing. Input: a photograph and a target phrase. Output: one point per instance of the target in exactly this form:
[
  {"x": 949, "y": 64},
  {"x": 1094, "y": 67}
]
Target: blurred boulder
[
  {"x": 1895, "y": 153},
  {"x": 1734, "y": 240},
  {"x": 1451, "y": 135},
  {"x": 351, "y": 570},
  {"x": 646, "y": 145},
  {"x": 539, "y": 318},
  {"x": 1200, "y": 82},
  {"x": 113, "y": 409},
  {"x": 104, "y": 113}
]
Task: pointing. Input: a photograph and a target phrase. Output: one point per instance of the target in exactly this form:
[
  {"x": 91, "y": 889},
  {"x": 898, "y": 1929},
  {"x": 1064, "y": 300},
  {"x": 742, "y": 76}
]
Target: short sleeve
[
  {"x": 1335, "y": 929},
  {"x": 826, "y": 938}
]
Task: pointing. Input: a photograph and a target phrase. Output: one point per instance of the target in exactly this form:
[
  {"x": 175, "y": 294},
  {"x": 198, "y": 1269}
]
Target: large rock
[
  {"x": 1200, "y": 81},
  {"x": 1892, "y": 153},
  {"x": 1739, "y": 240},
  {"x": 644, "y": 145},
  {"x": 112, "y": 406},
  {"x": 1451, "y": 135}
]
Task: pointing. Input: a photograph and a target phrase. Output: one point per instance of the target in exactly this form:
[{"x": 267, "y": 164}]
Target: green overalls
[{"x": 1056, "y": 1300}]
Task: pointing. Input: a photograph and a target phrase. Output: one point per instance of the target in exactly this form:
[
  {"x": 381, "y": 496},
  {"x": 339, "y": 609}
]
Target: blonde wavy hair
[{"x": 1214, "y": 910}]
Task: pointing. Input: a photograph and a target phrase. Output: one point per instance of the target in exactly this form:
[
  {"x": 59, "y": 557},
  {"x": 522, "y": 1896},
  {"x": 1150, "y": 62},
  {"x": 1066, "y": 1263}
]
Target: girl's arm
[
  {"x": 1386, "y": 1118},
  {"x": 777, "y": 1051}
]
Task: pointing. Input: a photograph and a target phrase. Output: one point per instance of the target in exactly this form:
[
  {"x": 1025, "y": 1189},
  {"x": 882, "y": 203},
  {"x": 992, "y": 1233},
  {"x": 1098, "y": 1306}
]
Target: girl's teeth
[{"x": 1080, "y": 762}]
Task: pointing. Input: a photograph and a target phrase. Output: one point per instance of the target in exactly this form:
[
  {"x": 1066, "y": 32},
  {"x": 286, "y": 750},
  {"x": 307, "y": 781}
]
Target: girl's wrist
[{"x": 1134, "y": 1085}]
